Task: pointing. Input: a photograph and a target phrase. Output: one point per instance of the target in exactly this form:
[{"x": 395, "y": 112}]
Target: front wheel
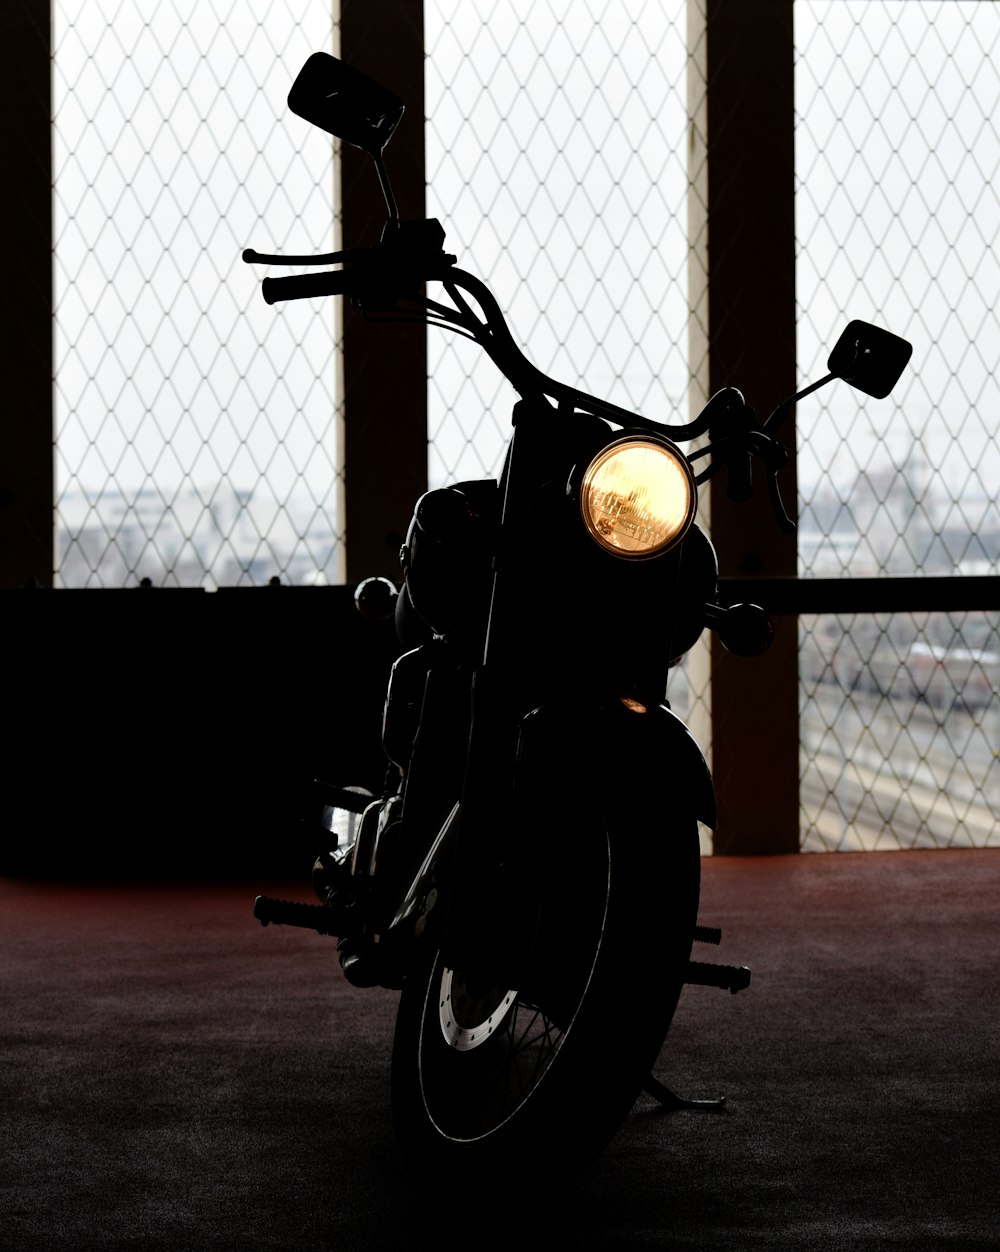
[{"x": 498, "y": 1088}]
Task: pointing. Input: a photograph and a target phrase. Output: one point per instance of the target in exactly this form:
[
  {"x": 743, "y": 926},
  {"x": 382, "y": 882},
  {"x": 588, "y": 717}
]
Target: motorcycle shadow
[{"x": 630, "y": 1197}]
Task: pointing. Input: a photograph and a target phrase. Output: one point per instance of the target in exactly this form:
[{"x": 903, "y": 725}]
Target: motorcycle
[{"x": 529, "y": 877}]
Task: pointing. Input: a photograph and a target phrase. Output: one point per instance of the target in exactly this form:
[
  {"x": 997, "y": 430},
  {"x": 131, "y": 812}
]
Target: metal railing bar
[{"x": 865, "y": 595}]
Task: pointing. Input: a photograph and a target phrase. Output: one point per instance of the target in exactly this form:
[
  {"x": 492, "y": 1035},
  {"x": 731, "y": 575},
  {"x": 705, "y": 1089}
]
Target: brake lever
[
  {"x": 775, "y": 457},
  {"x": 754, "y": 443},
  {"x": 252, "y": 257},
  {"x": 774, "y": 494}
]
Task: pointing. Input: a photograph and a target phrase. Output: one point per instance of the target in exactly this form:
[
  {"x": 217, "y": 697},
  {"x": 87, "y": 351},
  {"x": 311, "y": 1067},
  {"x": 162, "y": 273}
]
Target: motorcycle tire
[{"x": 508, "y": 1092}]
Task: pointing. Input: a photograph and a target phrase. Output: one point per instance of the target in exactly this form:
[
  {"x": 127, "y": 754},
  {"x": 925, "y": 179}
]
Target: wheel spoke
[
  {"x": 510, "y": 1068},
  {"x": 544, "y": 1054},
  {"x": 520, "y": 1044}
]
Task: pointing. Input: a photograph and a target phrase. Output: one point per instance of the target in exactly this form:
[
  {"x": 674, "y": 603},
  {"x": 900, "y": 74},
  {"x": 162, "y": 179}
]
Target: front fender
[
  {"x": 616, "y": 748},
  {"x": 625, "y": 748}
]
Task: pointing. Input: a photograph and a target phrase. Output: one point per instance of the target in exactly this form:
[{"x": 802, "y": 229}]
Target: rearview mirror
[
  {"x": 869, "y": 358},
  {"x": 344, "y": 102}
]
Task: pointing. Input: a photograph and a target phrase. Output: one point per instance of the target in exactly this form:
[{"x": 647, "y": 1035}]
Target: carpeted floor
[{"x": 173, "y": 1076}]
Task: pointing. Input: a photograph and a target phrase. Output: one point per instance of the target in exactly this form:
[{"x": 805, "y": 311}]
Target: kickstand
[{"x": 671, "y": 1102}]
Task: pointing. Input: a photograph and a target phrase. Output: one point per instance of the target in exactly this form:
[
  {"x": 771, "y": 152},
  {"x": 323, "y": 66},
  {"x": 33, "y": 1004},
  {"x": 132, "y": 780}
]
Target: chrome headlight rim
[{"x": 684, "y": 483}]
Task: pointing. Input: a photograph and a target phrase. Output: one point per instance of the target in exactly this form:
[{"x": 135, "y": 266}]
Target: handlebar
[
  {"x": 303, "y": 286},
  {"x": 372, "y": 273}
]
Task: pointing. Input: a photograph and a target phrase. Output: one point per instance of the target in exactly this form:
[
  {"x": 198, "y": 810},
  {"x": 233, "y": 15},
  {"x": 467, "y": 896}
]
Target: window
[{"x": 197, "y": 429}]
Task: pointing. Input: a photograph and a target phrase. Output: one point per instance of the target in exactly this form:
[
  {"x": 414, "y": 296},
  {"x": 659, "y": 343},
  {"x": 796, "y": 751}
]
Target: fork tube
[{"x": 480, "y": 927}]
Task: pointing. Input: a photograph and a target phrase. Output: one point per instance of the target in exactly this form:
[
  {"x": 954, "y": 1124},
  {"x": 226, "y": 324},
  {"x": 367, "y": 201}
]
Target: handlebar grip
[{"x": 304, "y": 286}]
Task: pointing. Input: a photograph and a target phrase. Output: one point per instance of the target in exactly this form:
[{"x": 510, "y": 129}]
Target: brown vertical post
[
  {"x": 385, "y": 365},
  {"x": 26, "y": 433},
  {"x": 751, "y": 315}
]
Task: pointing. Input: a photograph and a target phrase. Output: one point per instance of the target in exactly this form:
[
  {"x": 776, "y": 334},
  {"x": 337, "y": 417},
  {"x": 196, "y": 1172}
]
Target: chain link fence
[
  {"x": 197, "y": 430},
  {"x": 898, "y": 223},
  {"x": 557, "y": 160}
]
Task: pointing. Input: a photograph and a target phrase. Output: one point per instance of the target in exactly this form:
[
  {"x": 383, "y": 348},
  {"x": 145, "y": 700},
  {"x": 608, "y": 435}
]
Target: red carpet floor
[{"x": 173, "y": 1076}]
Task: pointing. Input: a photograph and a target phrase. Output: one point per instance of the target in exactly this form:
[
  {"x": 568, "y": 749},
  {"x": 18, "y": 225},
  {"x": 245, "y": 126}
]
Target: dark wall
[{"x": 173, "y": 733}]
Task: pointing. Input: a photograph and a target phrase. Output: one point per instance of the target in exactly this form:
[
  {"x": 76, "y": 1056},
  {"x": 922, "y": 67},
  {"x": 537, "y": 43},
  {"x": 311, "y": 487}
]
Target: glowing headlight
[{"x": 638, "y": 497}]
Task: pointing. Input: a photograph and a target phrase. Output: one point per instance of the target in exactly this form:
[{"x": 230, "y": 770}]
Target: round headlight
[{"x": 638, "y": 496}]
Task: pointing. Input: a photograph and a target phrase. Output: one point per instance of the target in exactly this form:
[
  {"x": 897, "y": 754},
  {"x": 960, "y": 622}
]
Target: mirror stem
[
  {"x": 383, "y": 178},
  {"x": 782, "y": 411}
]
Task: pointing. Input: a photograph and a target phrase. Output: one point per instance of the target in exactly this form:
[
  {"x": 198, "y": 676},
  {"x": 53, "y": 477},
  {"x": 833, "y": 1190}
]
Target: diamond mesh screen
[
  {"x": 898, "y": 218},
  {"x": 557, "y": 161},
  {"x": 197, "y": 429},
  {"x": 900, "y": 722}
]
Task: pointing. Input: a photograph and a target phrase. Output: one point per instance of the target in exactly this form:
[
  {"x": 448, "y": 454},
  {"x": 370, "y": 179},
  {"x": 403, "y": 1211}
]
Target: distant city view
[
  {"x": 219, "y": 538},
  {"x": 887, "y": 521},
  {"x": 864, "y": 527}
]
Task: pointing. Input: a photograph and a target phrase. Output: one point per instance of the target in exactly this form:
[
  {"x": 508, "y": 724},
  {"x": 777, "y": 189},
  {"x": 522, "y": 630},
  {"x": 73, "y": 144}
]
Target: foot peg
[
  {"x": 730, "y": 977},
  {"x": 319, "y": 917},
  {"x": 704, "y": 974}
]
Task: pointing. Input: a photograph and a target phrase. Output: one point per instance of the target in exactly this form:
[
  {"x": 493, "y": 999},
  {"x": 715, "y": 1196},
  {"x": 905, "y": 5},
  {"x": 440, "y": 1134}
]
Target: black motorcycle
[{"x": 529, "y": 877}]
